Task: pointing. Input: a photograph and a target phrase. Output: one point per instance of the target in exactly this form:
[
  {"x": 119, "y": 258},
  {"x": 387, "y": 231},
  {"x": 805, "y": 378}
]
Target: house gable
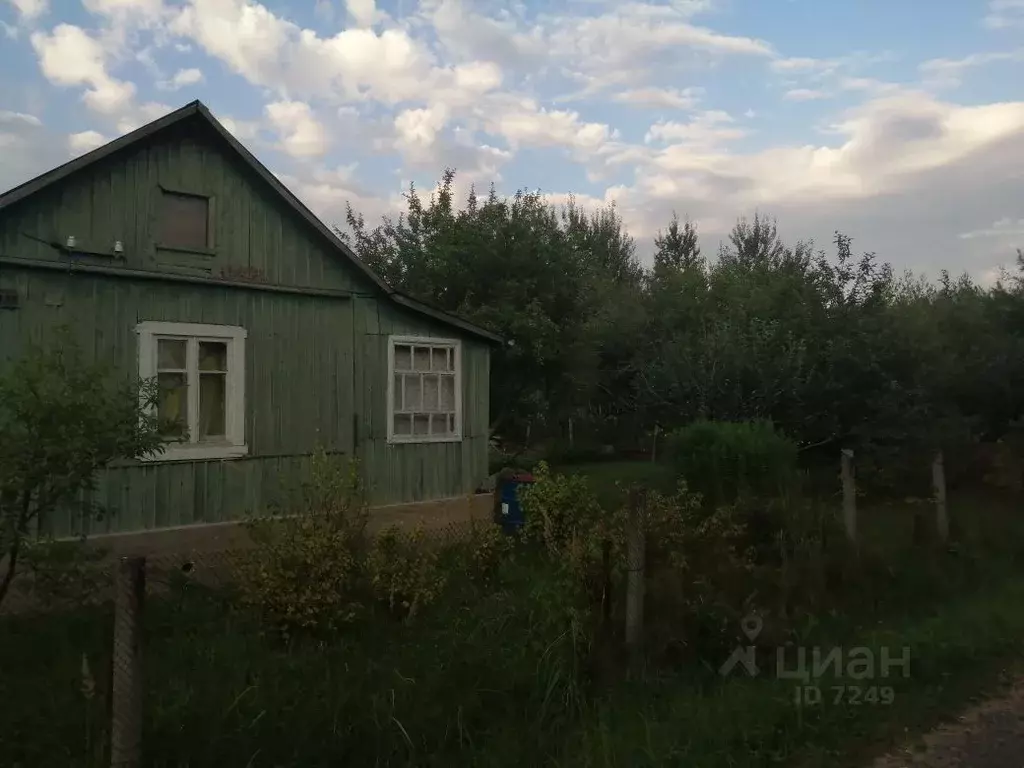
[{"x": 126, "y": 197}]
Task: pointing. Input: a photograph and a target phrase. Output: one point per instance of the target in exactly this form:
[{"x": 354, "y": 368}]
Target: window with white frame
[
  {"x": 200, "y": 375},
  {"x": 425, "y": 385}
]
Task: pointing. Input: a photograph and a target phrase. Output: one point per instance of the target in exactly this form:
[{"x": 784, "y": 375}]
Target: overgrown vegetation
[
  {"x": 728, "y": 461},
  {"x": 427, "y": 649}
]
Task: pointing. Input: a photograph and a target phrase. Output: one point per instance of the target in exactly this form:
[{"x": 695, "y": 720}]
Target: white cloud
[
  {"x": 670, "y": 98},
  {"x": 417, "y": 131},
  {"x": 70, "y": 56},
  {"x": 302, "y": 135},
  {"x": 523, "y": 122},
  {"x": 243, "y": 130},
  {"x": 804, "y": 94},
  {"x": 948, "y": 73},
  {"x": 80, "y": 143},
  {"x": 27, "y": 148},
  {"x": 363, "y": 12},
  {"x": 1005, "y": 228},
  {"x": 1004, "y": 14},
  {"x": 705, "y": 130},
  {"x": 9, "y": 118},
  {"x": 135, "y": 116},
  {"x": 389, "y": 66},
  {"x": 182, "y": 78},
  {"x": 803, "y": 65},
  {"x": 140, "y": 9},
  {"x": 622, "y": 45},
  {"x": 466, "y": 34},
  {"x": 905, "y": 175},
  {"x": 30, "y": 10}
]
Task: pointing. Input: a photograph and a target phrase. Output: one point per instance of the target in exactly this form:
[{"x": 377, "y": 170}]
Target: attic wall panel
[{"x": 256, "y": 234}]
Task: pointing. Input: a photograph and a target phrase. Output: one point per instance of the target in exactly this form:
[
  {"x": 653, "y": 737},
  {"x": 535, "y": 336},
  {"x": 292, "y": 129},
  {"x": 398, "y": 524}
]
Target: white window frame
[
  {"x": 424, "y": 341},
  {"x": 233, "y": 445}
]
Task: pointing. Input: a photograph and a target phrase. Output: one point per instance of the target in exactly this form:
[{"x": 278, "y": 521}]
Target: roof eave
[
  {"x": 54, "y": 175},
  {"x": 437, "y": 314}
]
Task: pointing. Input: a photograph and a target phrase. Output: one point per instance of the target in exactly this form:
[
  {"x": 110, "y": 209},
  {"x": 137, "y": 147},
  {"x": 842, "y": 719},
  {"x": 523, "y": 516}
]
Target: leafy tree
[
  {"x": 677, "y": 248},
  {"x": 754, "y": 243},
  {"x": 550, "y": 282},
  {"x": 833, "y": 349},
  {"x": 62, "y": 420}
]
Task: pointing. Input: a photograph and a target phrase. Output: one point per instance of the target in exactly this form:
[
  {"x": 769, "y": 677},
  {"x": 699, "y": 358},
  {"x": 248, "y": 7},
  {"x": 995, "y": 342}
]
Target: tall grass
[{"x": 507, "y": 671}]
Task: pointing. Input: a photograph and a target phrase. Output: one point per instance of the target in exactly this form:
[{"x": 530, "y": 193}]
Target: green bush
[
  {"x": 307, "y": 569},
  {"x": 728, "y": 461}
]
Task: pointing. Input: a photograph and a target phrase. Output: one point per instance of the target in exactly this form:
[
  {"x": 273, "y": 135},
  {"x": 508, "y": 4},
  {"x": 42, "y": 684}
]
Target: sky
[{"x": 897, "y": 122}]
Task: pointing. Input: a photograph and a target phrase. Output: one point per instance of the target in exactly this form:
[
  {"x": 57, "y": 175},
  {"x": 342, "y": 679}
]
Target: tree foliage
[
  {"x": 833, "y": 348},
  {"x": 62, "y": 419}
]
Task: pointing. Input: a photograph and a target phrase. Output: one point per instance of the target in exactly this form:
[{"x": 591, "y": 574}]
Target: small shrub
[
  {"x": 726, "y": 461},
  {"x": 403, "y": 570},
  {"x": 558, "y": 508},
  {"x": 306, "y": 571},
  {"x": 476, "y": 551}
]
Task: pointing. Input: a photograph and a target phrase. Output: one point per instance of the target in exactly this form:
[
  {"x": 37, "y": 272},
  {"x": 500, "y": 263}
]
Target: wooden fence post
[
  {"x": 126, "y": 715},
  {"x": 939, "y": 486},
  {"x": 846, "y": 472},
  {"x": 636, "y": 558}
]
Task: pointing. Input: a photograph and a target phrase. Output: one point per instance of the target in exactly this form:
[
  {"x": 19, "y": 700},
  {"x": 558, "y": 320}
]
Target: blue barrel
[{"x": 512, "y": 517}]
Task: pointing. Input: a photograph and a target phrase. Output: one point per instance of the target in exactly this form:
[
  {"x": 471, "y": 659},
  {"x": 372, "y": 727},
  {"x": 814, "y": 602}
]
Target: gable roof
[{"x": 198, "y": 110}]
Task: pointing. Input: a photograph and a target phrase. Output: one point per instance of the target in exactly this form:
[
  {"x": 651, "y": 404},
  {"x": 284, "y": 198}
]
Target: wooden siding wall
[
  {"x": 117, "y": 200},
  {"x": 298, "y": 382},
  {"x": 316, "y": 371},
  {"x": 412, "y": 472}
]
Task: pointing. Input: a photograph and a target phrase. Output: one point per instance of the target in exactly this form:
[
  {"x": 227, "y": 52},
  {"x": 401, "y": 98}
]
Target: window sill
[
  {"x": 177, "y": 452},
  {"x": 423, "y": 439},
  {"x": 192, "y": 251}
]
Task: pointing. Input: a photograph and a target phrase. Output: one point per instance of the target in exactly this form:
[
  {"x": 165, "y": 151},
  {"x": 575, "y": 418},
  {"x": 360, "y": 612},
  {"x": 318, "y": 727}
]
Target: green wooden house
[{"x": 172, "y": 251}]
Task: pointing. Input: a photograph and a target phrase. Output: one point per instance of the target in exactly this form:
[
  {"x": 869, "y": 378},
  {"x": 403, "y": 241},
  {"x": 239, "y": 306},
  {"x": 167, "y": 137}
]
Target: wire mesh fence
[{"x": 132, "y": 614}]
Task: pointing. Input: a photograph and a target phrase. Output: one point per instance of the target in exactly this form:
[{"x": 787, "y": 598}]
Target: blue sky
[{"x": 901, "y": 126}]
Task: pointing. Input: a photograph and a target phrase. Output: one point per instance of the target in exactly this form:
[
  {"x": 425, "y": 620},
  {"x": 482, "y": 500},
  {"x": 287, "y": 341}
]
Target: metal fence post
[
  {"x": 846, "y": 472},
  {"x": 126, "y": 714},
  {"x": 636, "y": 557},
  {"x": 939, "y": 484}
]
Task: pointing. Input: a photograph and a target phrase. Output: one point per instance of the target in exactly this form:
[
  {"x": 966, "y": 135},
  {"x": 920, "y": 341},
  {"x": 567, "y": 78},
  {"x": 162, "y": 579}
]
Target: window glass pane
[
  {"x": 403, "y": 424},
  {"x": 421, "y": 359},
  {"x": 397, "y": 394},
  {"x": 430, "y": 393},
  {"x": 451, "y": 423},
  {"x": 439, "y": 359},
  {"x": 440, "y": 425},
  {"x": 421, "y": 424},
  {"x": 447, "y": 393},
  {"x": 413, "y": 393},
  {"x": 183, "y": 221},
  {"x": 170, "y": 353},
  {"x": 213, "y": 356},
  {"x": 403, "y": 357},
  {"x": 212, "y": 398},
  {"x": 172, "y": 404}
]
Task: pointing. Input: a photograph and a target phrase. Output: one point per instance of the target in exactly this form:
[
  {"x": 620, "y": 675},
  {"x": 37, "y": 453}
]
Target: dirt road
[{"x": 988, "y": 735}]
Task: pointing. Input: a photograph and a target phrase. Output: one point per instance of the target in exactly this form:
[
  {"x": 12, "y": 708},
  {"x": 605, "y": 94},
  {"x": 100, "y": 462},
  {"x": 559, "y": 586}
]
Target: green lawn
[{"x": 610, "y": 479}]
